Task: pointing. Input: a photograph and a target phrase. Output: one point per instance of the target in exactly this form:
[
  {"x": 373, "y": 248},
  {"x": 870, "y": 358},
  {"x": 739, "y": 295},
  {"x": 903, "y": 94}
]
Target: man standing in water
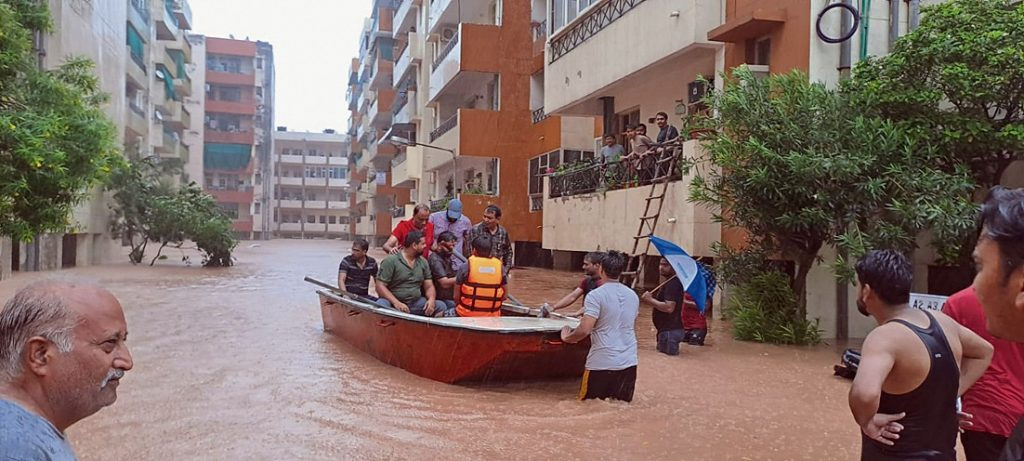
[
  {"x": 999, "y": 283},
  {"x": 62, "y": 355},
  {"x": 668, "y": 310},
  {"x": 589, "y": 283},
  {"x": 609, "y": 318},
  {"x": 913, "y": 367}
]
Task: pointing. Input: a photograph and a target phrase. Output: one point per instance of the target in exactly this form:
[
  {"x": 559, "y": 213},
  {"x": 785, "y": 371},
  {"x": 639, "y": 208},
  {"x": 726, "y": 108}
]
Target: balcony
[
  {"x": 242, "y": 225},
  {"x": 139, "y": 18},
  {"x": 229, "y": 137},
  {"x": 239, "y": 194},
  {"x": 381, "y": 76},
  {"x": 289, "y": 180},
  {"x": 175, "y": 115},
  {"x": 379, "y": 111},
  {"x": 167, "y": 26},
  {"x": 289, "y": 204},
  {"x": 446, "y": 13},
  {"x": 466, "y": 62},
  {"x": 294, "y": 159},
  {"x": 136, "y": 125},
  {"x": 571, "y": 79},
  {"x": 406, "y": 169},
  {"x": 405, "y": 109},
  {"x": 406, "y": 16},
  {"x": 290, "y": 226},
  {"x": 183, "y": 11},
  {"x": 231, "y": 107},
  {"x": 411, "y": 56},
  {"x": 380, "y": 155},
  {"x": 337, "y": 205},
  {"x": 230, "y": 78},
  {"x": 170, "y": 146},
  {"x": 136, "y": 71}
]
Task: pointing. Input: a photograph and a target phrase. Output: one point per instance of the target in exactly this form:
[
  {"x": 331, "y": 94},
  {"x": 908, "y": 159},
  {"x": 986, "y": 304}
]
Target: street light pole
[{"x": 399, "y": 141}]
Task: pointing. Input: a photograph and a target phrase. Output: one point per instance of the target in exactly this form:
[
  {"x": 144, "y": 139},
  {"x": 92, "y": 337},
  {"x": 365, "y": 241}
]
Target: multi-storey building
[
  {"x": 237, "y": 144},
  {"x": 310, "y": 184},
  {"x": 467, "y": 109}
]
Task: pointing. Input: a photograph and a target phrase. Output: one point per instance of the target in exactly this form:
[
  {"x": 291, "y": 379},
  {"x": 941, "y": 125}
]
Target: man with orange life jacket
[{"x": 480, "y": 283}]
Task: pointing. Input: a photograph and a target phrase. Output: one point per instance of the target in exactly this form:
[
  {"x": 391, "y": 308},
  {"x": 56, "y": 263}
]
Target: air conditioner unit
[
  {"x": 448, "y": 33},
  {"x": 697, "y": 89}
]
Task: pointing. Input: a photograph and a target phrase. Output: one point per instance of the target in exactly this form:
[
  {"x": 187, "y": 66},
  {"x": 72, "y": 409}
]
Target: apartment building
[
  {"x": 465, "y": 108},
  {"x": 143, "y": 62},
  {"x": 310, "y": 184},
  {"x": 375, "y": 203},
  {"x": 237, "y": 121}
]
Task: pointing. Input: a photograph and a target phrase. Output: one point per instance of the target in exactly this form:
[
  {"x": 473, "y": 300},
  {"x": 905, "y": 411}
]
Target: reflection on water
[{"x": 233, "y": 364}]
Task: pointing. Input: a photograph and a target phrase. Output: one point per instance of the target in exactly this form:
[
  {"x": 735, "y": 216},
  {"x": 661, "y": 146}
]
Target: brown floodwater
[{"x": 234, "y": 364}]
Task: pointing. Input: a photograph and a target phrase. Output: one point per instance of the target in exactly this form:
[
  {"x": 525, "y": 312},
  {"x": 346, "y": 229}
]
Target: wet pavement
[{"x": 233, "y": 364}]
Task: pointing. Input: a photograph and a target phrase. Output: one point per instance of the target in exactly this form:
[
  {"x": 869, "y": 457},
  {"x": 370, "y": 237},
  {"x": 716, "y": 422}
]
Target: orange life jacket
[{"x": 482, "y": 292}]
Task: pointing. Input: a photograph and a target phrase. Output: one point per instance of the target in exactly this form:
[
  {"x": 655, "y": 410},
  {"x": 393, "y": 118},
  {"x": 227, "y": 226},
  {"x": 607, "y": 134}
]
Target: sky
[{"x": 314, "y": 43}]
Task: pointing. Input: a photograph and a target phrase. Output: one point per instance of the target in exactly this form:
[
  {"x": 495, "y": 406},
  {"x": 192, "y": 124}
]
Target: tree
[
  {"x": 958, "y": 82},
  {"x": 149, "y": 210},
  {"x": 55, "y": 141},
  {"x": 799, "y": 168}
]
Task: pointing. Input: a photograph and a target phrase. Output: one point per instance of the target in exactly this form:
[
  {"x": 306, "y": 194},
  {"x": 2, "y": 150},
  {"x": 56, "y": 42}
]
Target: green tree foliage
[
  {"x": 149, "y": 210},
  {"x": 799, "y": 168},
  {"x": 764, "y": 309},
  {"x": 55, "y": 141},
  {"x": 956, "y": 81}
]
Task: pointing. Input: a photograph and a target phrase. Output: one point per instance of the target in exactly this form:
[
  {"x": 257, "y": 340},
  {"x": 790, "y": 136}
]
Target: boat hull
[{"x": 456, "y": 350}]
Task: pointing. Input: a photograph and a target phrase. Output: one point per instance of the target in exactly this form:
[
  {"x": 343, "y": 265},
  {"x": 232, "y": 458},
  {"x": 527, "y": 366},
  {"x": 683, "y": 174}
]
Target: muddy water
[{"x": 233, "y": 364}]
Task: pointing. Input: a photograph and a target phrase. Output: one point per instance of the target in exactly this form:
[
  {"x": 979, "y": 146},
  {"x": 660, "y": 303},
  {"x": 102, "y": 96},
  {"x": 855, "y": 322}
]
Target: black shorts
[
  {"x": 609, "y": 384},
  {"x": 980, "y": 446}
]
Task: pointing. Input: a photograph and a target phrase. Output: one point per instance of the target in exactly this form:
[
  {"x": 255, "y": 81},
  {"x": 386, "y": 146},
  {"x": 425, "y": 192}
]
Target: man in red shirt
[
  {"x": 420, "y": 221},
  {"x": 996, "y": 400}
]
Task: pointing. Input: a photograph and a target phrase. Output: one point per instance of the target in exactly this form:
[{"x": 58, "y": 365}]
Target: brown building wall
[
  {"x": 790, "y": 48},
  {"x": 230, "y": 47}
]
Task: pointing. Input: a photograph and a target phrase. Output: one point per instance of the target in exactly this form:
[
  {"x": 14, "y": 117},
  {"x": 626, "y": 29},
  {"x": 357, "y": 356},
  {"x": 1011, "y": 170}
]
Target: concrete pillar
[
  {"x": 6, "y": 249},
  {"x": 50, "y": 246}
]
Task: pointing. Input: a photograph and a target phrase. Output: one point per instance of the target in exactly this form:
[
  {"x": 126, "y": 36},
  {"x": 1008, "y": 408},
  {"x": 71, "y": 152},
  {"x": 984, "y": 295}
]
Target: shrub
[{"x": 764, "y": 309}]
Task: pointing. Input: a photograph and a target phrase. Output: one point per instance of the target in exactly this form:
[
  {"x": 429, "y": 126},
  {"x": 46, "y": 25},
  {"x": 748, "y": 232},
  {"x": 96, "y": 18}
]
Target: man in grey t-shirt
[
  {"x": 612, "y": 151},
  {"x": 61, "y": 360},
  {"x": 609, "y": 318}
]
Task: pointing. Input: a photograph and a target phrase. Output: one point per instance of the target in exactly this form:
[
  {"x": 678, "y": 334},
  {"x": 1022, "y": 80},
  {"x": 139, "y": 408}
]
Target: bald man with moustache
[{"x": 62, "y": 355}]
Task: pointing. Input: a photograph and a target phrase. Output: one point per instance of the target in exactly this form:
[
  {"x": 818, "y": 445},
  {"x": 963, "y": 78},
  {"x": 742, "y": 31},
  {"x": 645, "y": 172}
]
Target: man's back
[
  {"x": 923, "y": 383},
  {"x": 26, "y": 436},
  {"x": 613, "y": 339}
]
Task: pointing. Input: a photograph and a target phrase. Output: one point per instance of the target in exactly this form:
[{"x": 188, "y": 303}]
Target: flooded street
[{"x": 233, "y": 364}]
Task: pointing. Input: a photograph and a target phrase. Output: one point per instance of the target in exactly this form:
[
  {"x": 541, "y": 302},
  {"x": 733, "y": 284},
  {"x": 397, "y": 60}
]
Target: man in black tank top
[
  {"x": 912, "y": 368},
  {"x": 999, "y": 283}
]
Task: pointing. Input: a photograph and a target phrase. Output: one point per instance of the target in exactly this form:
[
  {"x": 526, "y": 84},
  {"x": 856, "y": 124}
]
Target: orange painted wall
[
  {"x": 229, "y": 107},
  {"x": 231, "y": 47},
  {"x": 227, "y": 78},
  {"x": 791, "y": 48}
]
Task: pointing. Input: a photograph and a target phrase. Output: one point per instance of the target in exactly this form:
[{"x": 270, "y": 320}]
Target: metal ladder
[{"x": 655, "y": 199}]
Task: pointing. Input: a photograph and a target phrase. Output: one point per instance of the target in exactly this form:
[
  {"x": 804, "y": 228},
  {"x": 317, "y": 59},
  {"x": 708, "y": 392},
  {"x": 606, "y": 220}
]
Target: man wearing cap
[{"x": 452, "y": 220}]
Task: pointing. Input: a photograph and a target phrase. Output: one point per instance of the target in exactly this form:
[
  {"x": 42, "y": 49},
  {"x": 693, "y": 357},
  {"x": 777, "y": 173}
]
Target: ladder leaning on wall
[{"x": 664, "y": 168}]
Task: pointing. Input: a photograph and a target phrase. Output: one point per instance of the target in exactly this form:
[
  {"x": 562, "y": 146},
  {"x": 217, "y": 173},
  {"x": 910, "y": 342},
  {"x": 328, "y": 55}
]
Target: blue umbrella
[{"x": 693, "y": 275}]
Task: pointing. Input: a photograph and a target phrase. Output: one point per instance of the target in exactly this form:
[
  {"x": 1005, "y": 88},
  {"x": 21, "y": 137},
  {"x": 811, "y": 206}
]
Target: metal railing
[
  {"x": 446, "y": 50},
  {"x": 589, "y": 25},
  {"x": 536, "y": 202},
  {"x": 588, "y": 177},
  {"x": 540, "y": 30},
  {"x": 398, "y": 212},
  {"x": 444, "y": 127},
  {"x": 439, "y": 204},
  {"x": 142, "y": 8},
  {"x": 539, "y": 115}
]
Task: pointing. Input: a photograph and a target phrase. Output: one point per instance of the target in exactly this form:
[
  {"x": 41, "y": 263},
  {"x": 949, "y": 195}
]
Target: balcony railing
[
  {"x": 539, "y": 29},
  {"x": 400, "y": 101},
  {"x": 439, "y": 204},
  {"x": 398, "y": 212},
  {"x": 445, "y": 51},
  {"x": 141, "y": 8},
  {"x": 536, "y": 202},
  {"x": 589, "y": 25},
  {"x": 539, "y": 115},
  {"x": 587, "y": 177},
  {"x": 444, "y": 127},
  {"x": 398, "y": 160}
]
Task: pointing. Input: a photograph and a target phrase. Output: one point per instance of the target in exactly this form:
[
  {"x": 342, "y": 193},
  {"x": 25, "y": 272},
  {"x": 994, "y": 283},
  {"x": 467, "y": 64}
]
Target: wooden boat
[{"x": 514, "y": 347}]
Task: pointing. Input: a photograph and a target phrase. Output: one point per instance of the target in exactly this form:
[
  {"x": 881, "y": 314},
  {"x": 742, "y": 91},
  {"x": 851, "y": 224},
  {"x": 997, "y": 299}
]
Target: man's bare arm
[
  {"x": 977, "y": 354},
  {"x": 568, "y": 299},
  {"x": 876, "y": 362},
  {"x": 575, "y": 335},
  {"x": 391, "y": 245},
  {"x": 341, "y": 280}
]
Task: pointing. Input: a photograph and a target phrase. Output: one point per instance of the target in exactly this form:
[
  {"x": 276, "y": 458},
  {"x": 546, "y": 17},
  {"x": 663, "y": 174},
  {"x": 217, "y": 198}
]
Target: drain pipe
[
  {"x": 894, "y": 22},
  {"x": 865, "y": 28},
  {"x": 915, "y": 14},
  {"x": 846, "y": 46}
]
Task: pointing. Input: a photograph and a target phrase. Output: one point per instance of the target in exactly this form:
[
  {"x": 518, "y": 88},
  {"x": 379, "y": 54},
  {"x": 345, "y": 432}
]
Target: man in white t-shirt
[{"x": 609, "y": 318}]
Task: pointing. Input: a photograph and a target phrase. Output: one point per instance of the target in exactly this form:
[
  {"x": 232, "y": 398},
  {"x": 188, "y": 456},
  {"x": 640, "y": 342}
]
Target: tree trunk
[
  {"x": 805, "y": 260},
  {"x": 158, "y": 251}
]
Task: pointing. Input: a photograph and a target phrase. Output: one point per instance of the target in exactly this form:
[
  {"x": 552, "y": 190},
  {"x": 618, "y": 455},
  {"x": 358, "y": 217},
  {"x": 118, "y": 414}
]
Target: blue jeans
[
  {"x": 668, "y": 341},
  {"x": 419, "y": 306}
]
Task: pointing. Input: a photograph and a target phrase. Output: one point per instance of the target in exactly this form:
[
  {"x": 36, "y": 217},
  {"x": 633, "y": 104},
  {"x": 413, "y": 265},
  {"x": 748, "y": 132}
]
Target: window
[
  {"x": 259, "y": 63},
  {"x": 323, "y": 219},
  {"x": 333, "y": 220},
  {"x": 259, "y": 91},
  {"x": 286, "y": 151},
  {"x": 759, "y": 51},
  {"x": 312, "y": 153},
  {"x": 256, "y": 207},
  {"x": 258, "y": 179},
  {"x": 311, "y": 219},
  {"x": 229, "y": 209},
  {"x": 297, "y": 152}
]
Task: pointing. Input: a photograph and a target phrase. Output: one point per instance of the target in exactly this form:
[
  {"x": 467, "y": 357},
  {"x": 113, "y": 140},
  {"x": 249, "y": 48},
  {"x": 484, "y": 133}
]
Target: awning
[
  {"x": 218, "y": 156},
  {"x": 756, "y": 24}
]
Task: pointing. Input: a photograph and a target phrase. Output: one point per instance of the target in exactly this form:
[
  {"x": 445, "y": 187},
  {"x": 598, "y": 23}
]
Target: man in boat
[
  {"x": 442, "y": 269},
  {"x": 404, "y": 282},
  {"x": 501, "y": 243},
  {"x": 62, "y": 355},
  {"x": 668, "y": 310},
  {"x": 420, "y": 221},
  {"x": 913, "y": 367},
  {"x": 480, "y": 283},
  {"x": 999, "y": 283},
  {"x": 590, "y": 281},
  {"x": 356, "y": 270},
  {"x": 609, "y": 317},
  {"x": 452, "y": 220}
]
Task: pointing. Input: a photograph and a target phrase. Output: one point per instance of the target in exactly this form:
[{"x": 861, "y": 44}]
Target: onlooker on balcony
[
  {"x": 666, "y": 132},
  {"x": 501, "y": 243},
  {"x": 591, "y": 281},
  {"x": 640, "y": 145},
  {"x": 420, "y": 221},
  {"x": 404, "y": 281},
  {"x": 452, "y": 220},
  {"x": 356, "y": 270},
  {"x": 612, "y": 151},
  {"x": 442, "y": 269}
]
